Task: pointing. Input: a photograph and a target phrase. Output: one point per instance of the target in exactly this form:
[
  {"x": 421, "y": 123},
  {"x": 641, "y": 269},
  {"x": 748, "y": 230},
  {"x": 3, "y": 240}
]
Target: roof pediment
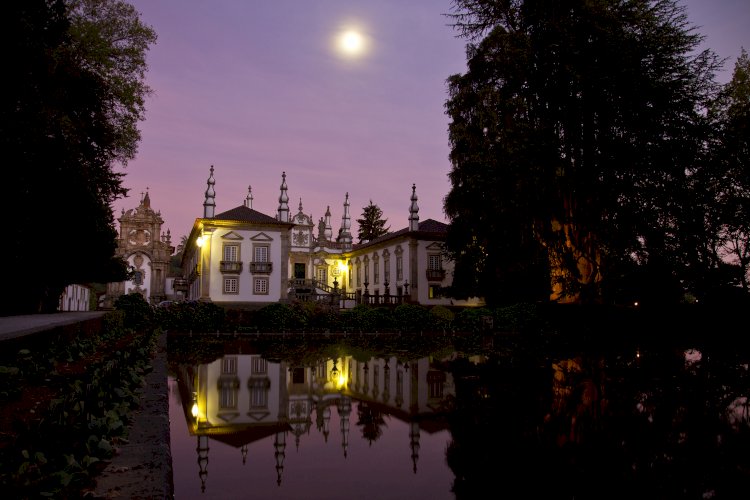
[
  {"x": 261, "y": 237},
  {"x": 231, "y": 235}
]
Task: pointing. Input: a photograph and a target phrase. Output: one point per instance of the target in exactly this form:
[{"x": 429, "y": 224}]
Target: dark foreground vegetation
[{"x": 66, "y": 403}]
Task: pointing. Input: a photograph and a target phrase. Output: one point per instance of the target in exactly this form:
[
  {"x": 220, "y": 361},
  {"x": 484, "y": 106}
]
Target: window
[
  {"x": 259, "y": 365},
  {"x": 260, "y": 263},
  {"x": 260, "y": 286},
  {"x": 367, "y": 271},
  {"x": 387, "y": 270},
  {"x": 231, "y": 285},
  {"x": 228, "y": 383},
  {"x": 434, "y": 262},
  {"x": 229, "y": 365},
  {"x": 258, "y": 392},
  {"x": 359, "y": 274},
  {"x": 227, "y": 397},
  {"x": 261, "y": 253},
  {"x": 399, "y": 267},
  {"x": 231, "y": 253},
  {"x": 322, "y": 275},
  {"x": 434, "y": 292},
  {"x": 376, "y": 271},
  {"x": 231, "y": 259},
  {"x": 435, "y": 384},
  {"x": 350, "y": 276}
]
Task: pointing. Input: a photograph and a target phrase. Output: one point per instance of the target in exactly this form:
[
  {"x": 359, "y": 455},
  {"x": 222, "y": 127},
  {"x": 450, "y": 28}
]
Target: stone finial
[
  {"x": 209, "y": 205},
  {"x": 249, "y": 197},
  {"x": 413, "y": 210},
  {"x": 283, "y": 200}
]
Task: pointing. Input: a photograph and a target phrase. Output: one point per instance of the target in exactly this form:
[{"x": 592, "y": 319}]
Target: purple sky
[{"x": 257, "y": 88}]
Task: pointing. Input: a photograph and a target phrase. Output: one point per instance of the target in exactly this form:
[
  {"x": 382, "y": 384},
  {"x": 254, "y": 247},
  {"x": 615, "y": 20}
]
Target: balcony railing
[
  {"x": 230, "y": 266},
  {"x": 261, "y": 267},
  {"x": 435, "y": 274}
]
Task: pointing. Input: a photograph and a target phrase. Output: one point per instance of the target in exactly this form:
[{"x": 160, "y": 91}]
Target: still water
[{"x": 379, "y": 417}]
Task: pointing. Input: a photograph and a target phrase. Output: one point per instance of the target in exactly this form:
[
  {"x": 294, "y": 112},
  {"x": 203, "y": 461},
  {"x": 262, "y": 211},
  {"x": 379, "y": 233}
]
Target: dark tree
[
  {"x": 74, "y": 94},
  {"x": 372, "y": 224},
  {"x": 575, "y": 134},
  {"x": 728, "y": 181}
]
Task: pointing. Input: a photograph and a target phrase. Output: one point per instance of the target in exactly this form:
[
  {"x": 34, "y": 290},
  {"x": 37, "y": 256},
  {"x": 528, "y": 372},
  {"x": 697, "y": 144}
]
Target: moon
[{"x": 351, "y": 43}]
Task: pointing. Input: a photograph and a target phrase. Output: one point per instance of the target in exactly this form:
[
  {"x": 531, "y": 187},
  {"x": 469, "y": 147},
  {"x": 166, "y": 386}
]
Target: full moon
[{"x": 351, "y": 43}]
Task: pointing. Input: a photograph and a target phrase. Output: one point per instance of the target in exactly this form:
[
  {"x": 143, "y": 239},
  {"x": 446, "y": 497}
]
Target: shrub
[
  {"x": 472, "y": 319},
  {"x": 517, "y": 318},
  {"x": 279, "y": 318},
  {"x": 413, "y": 318},
  {"x": 442, "y": 318},
  {"x": 138, "y": 313},
  {"x": 192, "y": 317}
]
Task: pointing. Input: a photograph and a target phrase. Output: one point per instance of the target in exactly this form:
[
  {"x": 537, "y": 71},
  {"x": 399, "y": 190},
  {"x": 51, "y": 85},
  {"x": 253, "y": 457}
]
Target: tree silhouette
[{"x": 372, "y": 224}]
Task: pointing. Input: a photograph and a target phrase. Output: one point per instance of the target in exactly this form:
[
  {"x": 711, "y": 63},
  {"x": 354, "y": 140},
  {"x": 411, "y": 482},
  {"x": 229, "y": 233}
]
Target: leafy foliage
[
  {"x": 578, "y": 139},
  {"x": 138, "y": 312},
  {"x": 93, "y": 379},
  {"x": 68, "y": 117},
  {"x": 199, "y": 317}
]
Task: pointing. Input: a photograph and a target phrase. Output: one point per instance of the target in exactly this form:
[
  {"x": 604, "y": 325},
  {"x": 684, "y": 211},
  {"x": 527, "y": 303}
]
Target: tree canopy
[
  {"x": 372, "y": 224},
  {"x": 580, "y": 149},
  {"x": 68, "y": 119}
]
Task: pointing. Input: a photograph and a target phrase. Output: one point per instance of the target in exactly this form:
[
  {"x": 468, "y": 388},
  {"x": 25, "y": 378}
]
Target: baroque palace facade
[
  {"x": 244, "y": 258},
  {"x": 146, "y": 251}
]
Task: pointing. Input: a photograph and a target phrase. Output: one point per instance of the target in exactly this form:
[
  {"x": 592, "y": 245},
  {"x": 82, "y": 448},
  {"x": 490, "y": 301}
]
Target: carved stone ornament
[
  {"x": 140, "y": 237},
  {"x": 300, "y": 238}
]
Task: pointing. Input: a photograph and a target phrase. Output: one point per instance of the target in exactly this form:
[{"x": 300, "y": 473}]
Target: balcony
[
  {"x": 230, "y": 266},
  {"x": 435, "y": 274},
  {"x": 261, "y": 267}
]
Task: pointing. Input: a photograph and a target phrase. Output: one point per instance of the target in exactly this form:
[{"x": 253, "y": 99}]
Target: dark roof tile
[{"x": 245, "y": 214}]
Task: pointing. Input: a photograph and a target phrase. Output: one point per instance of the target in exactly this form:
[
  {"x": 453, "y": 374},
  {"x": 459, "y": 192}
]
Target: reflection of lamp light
[
  {"x": 335, "y": 371},
  {"x": 194, "y": 409}
]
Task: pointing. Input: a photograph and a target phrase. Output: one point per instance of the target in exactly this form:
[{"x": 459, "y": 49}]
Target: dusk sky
[{"x": 257, "y": 88}]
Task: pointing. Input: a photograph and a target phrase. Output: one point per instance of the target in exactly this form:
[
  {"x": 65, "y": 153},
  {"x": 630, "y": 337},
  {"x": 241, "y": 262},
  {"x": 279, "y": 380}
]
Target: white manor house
[{"x": 242, "y": 257}]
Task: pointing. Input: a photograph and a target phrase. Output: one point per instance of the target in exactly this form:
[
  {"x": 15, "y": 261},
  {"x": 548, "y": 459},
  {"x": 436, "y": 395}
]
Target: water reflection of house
[
  {"x": 242, "y": 257},
  {"x": 243, "y": 398}
]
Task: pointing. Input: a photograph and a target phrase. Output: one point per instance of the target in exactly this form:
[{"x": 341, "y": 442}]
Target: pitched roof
[
  {"x": 245, "y": 214},
  {"x": 428, "y": 228}
]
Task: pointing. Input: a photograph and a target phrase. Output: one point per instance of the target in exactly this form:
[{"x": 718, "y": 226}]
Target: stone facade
[{"x": 146, "y": 250}]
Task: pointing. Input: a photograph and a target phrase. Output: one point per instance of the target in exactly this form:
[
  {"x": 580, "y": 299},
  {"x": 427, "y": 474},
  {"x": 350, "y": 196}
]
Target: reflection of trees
[
  {"x": 371, "y": 421},
  {"x": 601, "y": 427},
  {"x": 494, "y": 430}
]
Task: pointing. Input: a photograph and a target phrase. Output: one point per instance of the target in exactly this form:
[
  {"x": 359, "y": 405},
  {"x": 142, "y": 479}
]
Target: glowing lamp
[{"x": 199, "y": 241}]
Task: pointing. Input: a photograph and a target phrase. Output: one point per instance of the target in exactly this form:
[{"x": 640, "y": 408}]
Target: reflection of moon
[{"x": 351, "y": 43}]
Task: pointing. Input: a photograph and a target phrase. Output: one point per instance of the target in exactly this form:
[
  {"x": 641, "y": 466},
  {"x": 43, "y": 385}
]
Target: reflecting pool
[{"x": 397, "y": 416}]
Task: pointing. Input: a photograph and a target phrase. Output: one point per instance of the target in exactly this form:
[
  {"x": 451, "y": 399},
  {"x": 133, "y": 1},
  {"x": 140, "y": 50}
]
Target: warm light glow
[
  {"x": 341, "y": 381},
  {"x": 199, "y": 241},
  {"x": 194, "y": 410}
]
